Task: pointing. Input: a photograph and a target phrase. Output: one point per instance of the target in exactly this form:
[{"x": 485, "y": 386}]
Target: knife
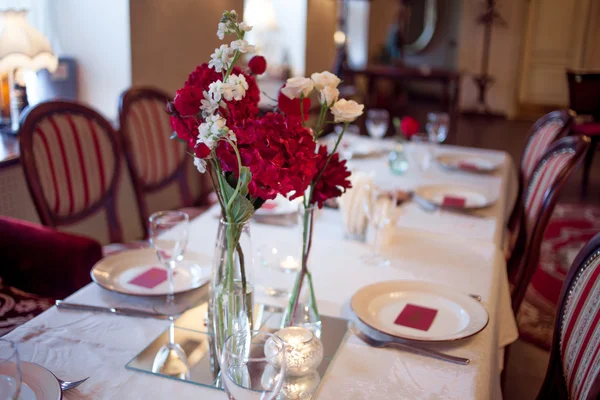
[{"x": 131, "y": 312}]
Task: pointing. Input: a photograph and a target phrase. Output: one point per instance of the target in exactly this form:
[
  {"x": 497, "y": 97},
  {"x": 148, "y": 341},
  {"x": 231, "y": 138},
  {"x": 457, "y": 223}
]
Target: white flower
[
  {"x": 221, "y": 59},
  {"x": 346, "y": 111},
  {"x": 208, "y": 105},
  {"x": 239, "y": 85},
  {"x": 216, "y": 90},
  {"x": 295, "y": 87},
  {"x": 200, "y": 164},
  {"x": 233, "y": 14},
  {"x": 242, "y": 45},
  {"x": 222, "y": 30},
  {"x": 328, "y": 95},
  {"x": 245, "y": 27},
  {"x": 210, "y": 131},
  {"x": 325, "y": 79}
]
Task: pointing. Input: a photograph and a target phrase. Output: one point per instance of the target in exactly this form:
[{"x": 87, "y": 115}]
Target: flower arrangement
[{"x": 252, "y": 158}]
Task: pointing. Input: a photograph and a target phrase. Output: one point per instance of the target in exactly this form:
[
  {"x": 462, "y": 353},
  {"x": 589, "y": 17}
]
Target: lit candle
[
  {"x": 290, "y": 263},
  {"x": 303, "y": 350}
]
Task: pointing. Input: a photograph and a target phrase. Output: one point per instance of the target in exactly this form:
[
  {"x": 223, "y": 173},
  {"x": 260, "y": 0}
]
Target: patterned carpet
[{"x": 570, "y": 228}]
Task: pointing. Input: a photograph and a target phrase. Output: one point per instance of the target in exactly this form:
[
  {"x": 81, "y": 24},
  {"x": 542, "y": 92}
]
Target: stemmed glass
[
  {"x": 253, "y": 365},
  {"x": 377, "y": 122},
  {"x": 168, "y": 234},
  {"x": 437, "y": 126},
  {"x": 170, "y": 359},
  {"x": 379, "y": 206},
  {"x": 10, "y": 371}
]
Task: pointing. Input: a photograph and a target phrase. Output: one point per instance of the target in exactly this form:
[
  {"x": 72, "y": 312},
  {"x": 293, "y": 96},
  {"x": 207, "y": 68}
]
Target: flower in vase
[
  {"x": 334, "y": 180},
  {"x": 346, "y": 110},
  {"x": 200, "y": 164},
  {"x": 212, "y": 130},
  {"x": 325, "y": 79},
  {"x": 245, "y": 27},
  {"x": 409, "y": 126},
  {"x": 291, "y": 107},
  {"x": 186, "y": 128},
  {"x": 242, "y": 46},
  {"x": 329, "y": 95},
  {"x": 187, "y": 100},
  {"x": 221, "y": 59},
  {"x": 208, "y": 105},
  {"x": 258, "y": 65},
  {"x": 298, "y": 87},
  {"x": 239, "y": 85}
]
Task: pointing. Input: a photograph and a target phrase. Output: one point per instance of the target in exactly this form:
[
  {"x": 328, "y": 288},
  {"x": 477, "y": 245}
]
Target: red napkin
[
  {"x": 269, "y": 205},
  {"x": 416, "y": 317},
  {"x": 454, "y": 201},
  {"x": 468, "y": 165},
  {"x": 151, "y": 278}
]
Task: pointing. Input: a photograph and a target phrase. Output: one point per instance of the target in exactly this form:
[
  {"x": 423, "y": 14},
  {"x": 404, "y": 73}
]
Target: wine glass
[
  {"x": 170, "y": 359},
  {"x": 437, "y": 126},
  {"x": 10, "y": 371},
  {"x": 253, "y": 365},
  {"x": 168, "y": 234},
  {"x": 377, "y": 122},
  {"x": 379, "y": 206}
]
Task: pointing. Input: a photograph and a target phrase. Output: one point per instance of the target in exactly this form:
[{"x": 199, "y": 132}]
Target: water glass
[
  {"x": 379, "y": 206},
  {"x": 437, "y": 126},
  {"x": 168, "y": 234},
  {"x": 424, "y": 149},
  {"x": 10, "y": 371},
  {"x": 252, "y": 366},
  {"x": 377, "y": 122}
]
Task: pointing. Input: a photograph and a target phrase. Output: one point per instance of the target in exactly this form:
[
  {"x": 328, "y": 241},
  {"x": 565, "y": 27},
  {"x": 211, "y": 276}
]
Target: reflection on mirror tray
[{"x": 184, "y": 351}]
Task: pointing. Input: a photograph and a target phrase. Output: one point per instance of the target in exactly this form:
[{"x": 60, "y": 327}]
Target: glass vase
[
  {"x": 302, "y": 308},
  {"x": 232, "y": 287}
]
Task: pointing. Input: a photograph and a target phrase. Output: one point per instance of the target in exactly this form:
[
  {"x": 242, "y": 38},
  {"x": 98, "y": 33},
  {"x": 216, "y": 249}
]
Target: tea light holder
[{"x": 303, "y": 350}]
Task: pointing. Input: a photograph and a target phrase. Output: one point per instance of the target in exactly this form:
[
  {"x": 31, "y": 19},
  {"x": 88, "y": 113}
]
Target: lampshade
[{"x": 22, "y": 46}]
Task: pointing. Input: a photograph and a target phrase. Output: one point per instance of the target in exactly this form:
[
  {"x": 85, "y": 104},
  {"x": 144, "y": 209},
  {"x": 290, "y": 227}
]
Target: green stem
[
  {"x": 322, "y": 114},
  {"x": 248, "y": 307},
  {"x": 239, "y": 182},
  {"x": 235, "y": 58},
  {"x": 312, "y": 295}
]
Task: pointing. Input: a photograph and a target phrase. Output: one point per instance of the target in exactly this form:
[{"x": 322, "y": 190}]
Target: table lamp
[{"x": 22, "y": 47}]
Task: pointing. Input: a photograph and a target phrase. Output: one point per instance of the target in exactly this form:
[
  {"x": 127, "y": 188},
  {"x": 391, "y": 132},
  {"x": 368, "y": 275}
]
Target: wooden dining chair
[
  {"x": 584, "y": 99},
  {"x": 161, "y": 170},
  {"x": 574, "y": 367},
  {"x": 539, "y": 200},
  {"x": 72, "y": 160},
  {"x": 542, "y": 134}
]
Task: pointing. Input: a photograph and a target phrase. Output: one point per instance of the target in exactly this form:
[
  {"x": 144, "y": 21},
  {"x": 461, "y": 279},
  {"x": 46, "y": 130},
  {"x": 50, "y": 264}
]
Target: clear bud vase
[
  {"x": 302, "y": 309},
  {"x": 232, "y": 287}
]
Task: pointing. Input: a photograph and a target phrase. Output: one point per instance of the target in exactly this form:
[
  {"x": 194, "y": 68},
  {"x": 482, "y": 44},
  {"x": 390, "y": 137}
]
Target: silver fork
[
  {"x": 64, "y": 385},
  {"x": 409, "y": 347}
]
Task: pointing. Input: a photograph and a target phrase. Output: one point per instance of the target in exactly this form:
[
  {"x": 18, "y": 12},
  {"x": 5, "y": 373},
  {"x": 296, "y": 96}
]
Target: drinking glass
[
  {"x": 171, "y": 360},
  {"x": 377, "y": 122},
  {"x": 168, "y": 234},
  {"x": 424, "y": 149},
  {"x": 253, "y": 366},
  {"x": 10, "y": 371},
  {"x": 437, "y": 126},
  {"x": 379, "y": 205}
]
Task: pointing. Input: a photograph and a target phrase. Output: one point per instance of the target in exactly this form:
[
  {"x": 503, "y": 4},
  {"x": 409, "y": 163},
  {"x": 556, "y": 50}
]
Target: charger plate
[{"x": 458, "y": 315}]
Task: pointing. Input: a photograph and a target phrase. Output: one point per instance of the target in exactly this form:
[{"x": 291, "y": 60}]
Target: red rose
[
  {"x": 292, "y": 106},
  {"x": 187, "y": 100},
  {"x": 258, "y": 65},
  {"x": 334, "y": 179},
  {"x": 409, "y": 127},
  {"x": 201, "y": 150}
]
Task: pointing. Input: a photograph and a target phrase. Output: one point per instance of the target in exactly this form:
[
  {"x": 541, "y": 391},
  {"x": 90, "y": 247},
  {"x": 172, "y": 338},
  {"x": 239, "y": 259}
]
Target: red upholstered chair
[
  {"x": 162, "y": 172},
  {"x": 584, "y": 99},
  {"x": 574, "y": 367},
  {"x": 539, "y": 200},
  {"x": 40, "y": 260},
  {"x": 72, "y": 160},
  {"x": 542, "y": 134}
]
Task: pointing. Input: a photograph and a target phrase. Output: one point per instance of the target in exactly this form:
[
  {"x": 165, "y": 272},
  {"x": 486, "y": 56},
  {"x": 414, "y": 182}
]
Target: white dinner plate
[
  {"x": 458, "y": 315},
  {"x": 435, "y": 194},
  {"x": 37, "y": 383},
  {"x": 465, "y": 162},
  {"x": 115, "y": 272},
  {"x": 278, "y": 206}
]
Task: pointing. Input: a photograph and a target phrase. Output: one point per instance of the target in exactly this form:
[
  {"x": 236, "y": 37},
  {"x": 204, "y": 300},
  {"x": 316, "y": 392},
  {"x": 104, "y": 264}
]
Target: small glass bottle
[{"x": 397, "y": 160}]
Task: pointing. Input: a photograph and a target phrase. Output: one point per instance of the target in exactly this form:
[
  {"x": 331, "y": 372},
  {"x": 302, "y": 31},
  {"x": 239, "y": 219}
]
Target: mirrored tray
[{"x": 188, "y": 335}]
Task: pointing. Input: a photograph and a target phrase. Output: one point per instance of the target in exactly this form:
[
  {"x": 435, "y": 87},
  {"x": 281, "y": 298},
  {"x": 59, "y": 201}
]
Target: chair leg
[{"x": 589, "y": 157}]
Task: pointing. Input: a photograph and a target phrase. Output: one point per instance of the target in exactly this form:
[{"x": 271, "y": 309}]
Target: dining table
[{"x": 457, "y": 250}]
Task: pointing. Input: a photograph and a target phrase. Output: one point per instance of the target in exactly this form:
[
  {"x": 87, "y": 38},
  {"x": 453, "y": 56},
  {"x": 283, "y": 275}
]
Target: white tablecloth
[{"x": 459, "y": 251}]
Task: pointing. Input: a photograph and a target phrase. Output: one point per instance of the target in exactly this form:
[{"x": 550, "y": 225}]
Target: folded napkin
[{"x": 352, "y": 204}]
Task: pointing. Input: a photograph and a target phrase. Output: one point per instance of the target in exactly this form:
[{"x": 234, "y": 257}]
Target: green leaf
[{"x": 241, "y": 208}]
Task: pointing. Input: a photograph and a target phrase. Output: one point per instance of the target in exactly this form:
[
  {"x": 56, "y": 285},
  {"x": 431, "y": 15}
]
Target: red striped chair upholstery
[
  {"x": 159, "y": 166},
  {"x": 546, "y": 182},
  {"x": 72, "y": 161},
  {"x": 574, "y": 367}
]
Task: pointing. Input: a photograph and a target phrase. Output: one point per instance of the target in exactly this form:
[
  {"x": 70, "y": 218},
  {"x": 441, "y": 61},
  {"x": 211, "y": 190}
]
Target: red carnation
[
  {"x": 258, "y": 65},
  {"x": 334, "y": 179},
  {"x": 292, "y": 106},
  {"x": 187, "y": 100},
  {"x": 185, "y": 127},
  {"x": 409, "y": 127}
]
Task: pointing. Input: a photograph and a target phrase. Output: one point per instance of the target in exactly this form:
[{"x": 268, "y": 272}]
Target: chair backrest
[
  {"x": 574, "y": 367},
  {"x": 158, "y": 164},
  {"x": 584, "y": 92},
  {"x": 71, "y": 157},
  {"x": 540, "y": 198}
]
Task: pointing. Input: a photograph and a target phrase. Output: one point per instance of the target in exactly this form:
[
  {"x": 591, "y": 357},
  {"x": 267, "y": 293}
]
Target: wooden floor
[{"x": 511, "y": 136}]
